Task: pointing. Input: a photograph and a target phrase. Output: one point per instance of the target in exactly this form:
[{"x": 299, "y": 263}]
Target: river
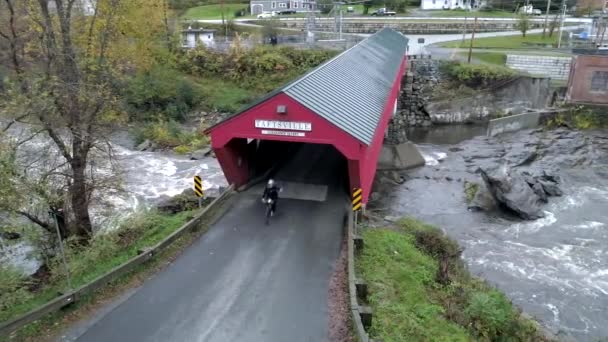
[
  {"x": 554, "y": 268},
  {"x": 147, "y": 177}
]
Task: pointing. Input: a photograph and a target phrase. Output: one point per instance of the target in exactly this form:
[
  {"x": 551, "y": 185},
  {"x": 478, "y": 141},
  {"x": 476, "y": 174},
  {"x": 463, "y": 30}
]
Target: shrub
[
  {"x": 169, "y": 134},
  {"x": 13, "y": 287},
  {"x": 162, "y": 90},
  {"x": 250, "y": 64},
  {"x": 489, "y": 313},
  {"x": 81, "y": 258},
  {"x": 580, "y": 117}
]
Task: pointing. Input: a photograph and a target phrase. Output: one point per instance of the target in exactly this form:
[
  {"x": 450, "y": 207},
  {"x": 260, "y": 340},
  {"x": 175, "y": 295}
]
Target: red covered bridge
[{"x": 346, "y": 102}]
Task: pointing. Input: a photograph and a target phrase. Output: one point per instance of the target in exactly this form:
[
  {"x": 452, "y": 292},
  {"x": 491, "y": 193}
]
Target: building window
[
  {"x": 273, "y": 5},
  {"x": 282, "y": 5},
  {"x": 599, "y": 81},
  {"x": 295, "y": 4},
  {"x": 434, "y": 2}
]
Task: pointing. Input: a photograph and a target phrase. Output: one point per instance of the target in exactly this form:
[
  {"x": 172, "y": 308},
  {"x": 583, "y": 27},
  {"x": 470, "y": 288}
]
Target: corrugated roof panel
[{"x": 350, "y": 90}]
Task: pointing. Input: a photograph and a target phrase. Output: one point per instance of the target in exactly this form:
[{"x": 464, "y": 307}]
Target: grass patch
[
  {"x": 476, "y": 75},
  {"x": 531, "y": 41},
  {"x": 495, "y": 58},
  {"x": 420, "y": 290},
  {"x": 225, "y": 95},
  {"x": 463, "y": 13},
  {"x": 214, "y": 11},
  {"x": 105, "y": 251}
]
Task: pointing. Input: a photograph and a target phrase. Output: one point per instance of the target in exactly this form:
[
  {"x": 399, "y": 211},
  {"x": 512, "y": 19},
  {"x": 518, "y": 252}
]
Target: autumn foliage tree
[{"x": 64, "y": 66}]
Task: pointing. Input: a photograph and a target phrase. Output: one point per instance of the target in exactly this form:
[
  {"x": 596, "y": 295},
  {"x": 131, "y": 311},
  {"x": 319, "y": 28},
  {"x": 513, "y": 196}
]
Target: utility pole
[
  {"x": 223, "y": 22},
  {"x": 472, "y": 39},
  {"x": 341, "y": 18},
  {"x": 546, "y": 18},
  {"x": 464, "y": 31},
  {"x": 561, "y": 24},
  {"x": 53, "y": 213}
]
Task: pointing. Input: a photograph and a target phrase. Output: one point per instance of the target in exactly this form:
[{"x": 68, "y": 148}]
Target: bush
[
  {"x": 13, "y": 287},
  {"x": 249, "y": 64},
  {"x": 169, "y": 134},
  {"x": 476, "y": 75},
  {"x": 162, "y": 90},
  {"x": 580, "y": 117},
  {"x": 490, "y": 314}
]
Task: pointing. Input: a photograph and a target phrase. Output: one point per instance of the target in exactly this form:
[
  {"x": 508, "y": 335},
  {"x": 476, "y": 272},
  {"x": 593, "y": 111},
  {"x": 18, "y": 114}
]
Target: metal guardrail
[
  {"x": 69, "y": 298},
  {"x": 362, "y": 335}
]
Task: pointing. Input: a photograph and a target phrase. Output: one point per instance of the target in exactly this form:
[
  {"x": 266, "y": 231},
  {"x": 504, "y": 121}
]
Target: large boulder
[
  {"x": 200, "y": 154},
  {"x": 187, "y": 200},
  {"x": 512, "y": 192}
]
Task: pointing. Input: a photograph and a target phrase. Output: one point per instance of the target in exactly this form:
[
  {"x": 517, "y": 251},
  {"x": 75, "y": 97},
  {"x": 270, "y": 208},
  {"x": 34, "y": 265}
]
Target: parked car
[
  {"x": 530, "y": 10},
  {"x": 382, "y": 12},
  {"x": 285, "y": 12},
  {"x": 266, "y": 15},
  {"x": 350, "y": 9}
]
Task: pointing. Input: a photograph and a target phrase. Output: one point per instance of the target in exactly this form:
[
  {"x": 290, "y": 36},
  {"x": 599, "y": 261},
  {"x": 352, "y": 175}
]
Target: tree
[
  {"x": 64, "y": 69},
  {"x": 523, "y": 24},
  {"x": 553, "y": 25}
]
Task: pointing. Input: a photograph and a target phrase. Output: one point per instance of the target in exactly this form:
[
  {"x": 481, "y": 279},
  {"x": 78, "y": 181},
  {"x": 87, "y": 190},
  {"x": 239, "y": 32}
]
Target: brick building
[{"x": 588, "y": 81}]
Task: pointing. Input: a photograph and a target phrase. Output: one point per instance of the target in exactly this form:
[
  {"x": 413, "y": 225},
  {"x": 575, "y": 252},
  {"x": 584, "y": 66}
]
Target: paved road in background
[{"x": 243, "y": 280}]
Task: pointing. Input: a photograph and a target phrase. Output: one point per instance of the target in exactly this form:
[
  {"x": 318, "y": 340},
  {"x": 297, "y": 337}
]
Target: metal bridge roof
[{"x": 350, "y": 90}]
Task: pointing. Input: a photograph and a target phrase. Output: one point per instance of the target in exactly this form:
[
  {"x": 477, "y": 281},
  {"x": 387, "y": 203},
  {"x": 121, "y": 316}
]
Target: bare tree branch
[{"x": 36, "y": 220}]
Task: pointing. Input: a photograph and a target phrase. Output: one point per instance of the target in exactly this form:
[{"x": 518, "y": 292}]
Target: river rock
[
  {"x": 539, "y": 191},
  {"x": 187, "y": 200},
  {"x": 550, "y": 188},
  {"x": 513, "y": 192},
  {"x": 147, "y": 145},
  {"x": 200, "y": 154},
  {"x": 483, "y": 199}
]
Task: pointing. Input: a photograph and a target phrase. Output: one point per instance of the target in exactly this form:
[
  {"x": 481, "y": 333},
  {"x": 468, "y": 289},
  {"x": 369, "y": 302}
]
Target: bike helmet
[{"x": 270, "y": 182}]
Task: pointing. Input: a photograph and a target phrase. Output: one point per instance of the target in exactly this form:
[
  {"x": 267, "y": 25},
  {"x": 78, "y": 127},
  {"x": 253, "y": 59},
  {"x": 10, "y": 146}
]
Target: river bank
[
  {"x": 148, "y": 179},
  {"x": 554, "y": 268},
  {"x": 419, "y": 289}
]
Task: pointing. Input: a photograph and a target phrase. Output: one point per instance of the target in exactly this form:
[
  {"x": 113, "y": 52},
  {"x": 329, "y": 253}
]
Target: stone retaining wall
[
  {"x": 548, "y": 66},
  {"x": 407, "y": 27}
]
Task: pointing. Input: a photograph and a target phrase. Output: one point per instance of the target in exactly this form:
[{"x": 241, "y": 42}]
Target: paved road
[
  {"x": 416, "y": 48},
  {"x": 243, "y": 280}
]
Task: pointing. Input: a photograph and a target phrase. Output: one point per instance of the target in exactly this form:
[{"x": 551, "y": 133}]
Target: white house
[
  {"x": 192, "y": 38},
  {"x": 450, "y": 4}
]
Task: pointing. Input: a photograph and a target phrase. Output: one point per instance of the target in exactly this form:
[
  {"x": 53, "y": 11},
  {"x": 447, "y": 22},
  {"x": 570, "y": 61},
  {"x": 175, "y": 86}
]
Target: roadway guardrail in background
[{"x": 69, "y": 298}]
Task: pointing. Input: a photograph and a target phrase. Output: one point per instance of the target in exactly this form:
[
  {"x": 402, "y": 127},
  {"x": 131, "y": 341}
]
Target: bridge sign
[
  {"x": 357, "y": 199},
  {"x": 198, "y": 187}
]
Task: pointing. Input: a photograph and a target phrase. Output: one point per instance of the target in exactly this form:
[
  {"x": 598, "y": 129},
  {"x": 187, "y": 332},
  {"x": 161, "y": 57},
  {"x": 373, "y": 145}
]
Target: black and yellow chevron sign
[
  {"x": 357, "y": 199},
  {"x": 198, "y": 186}
]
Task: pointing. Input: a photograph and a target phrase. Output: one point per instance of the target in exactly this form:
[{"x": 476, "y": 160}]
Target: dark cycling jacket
[{"x": 272, "y": 193}]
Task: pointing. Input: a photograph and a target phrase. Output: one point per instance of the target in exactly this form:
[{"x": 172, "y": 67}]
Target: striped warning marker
[
  {"x": 357, "y": 199},
  {"x": 198, "y": 186}
]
